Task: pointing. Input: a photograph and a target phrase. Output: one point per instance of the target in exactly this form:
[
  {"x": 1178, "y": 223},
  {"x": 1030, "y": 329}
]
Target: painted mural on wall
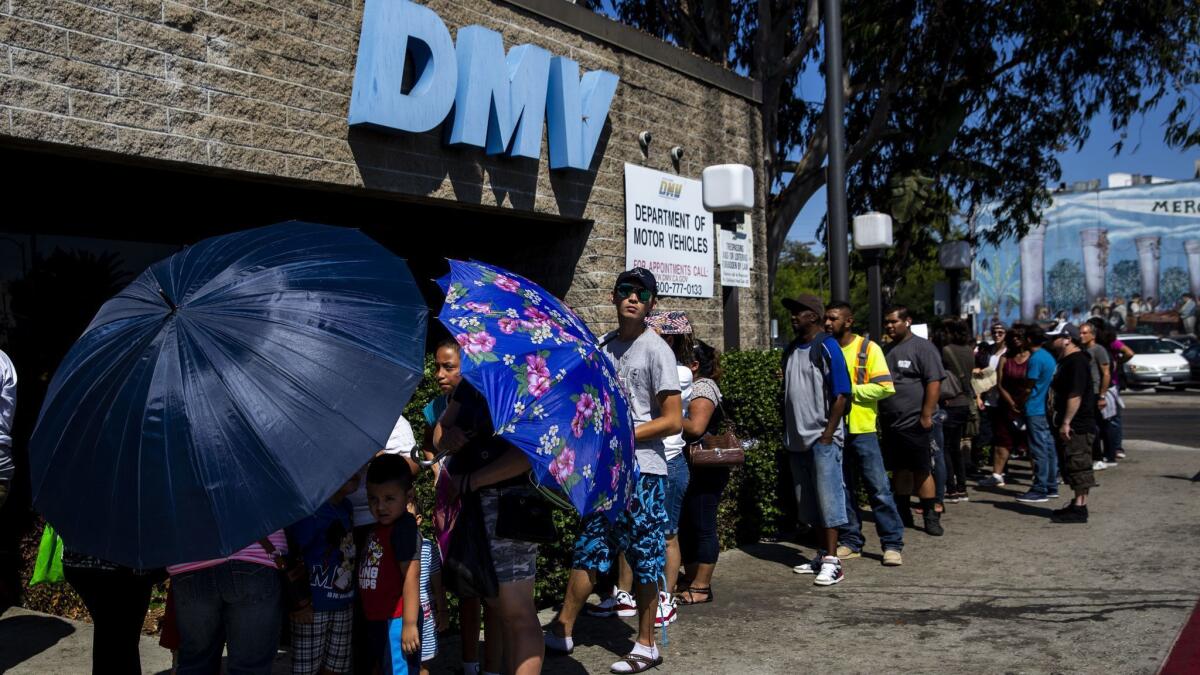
[{"x": 1109, "y": 244}]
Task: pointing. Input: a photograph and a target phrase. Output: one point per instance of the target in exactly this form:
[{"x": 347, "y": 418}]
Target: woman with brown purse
[{"x": 698, "y": 526}]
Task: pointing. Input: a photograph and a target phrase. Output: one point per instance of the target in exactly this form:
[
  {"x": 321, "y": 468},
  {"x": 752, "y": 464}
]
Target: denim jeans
[
  {"x": 236, "y": 602},
  {"x": 817, "y": 479},
  {"x": 939, "y": 457},
  {"x": 677, "y": 482},
  {"x": 698, "y": 540},
  {"x": 1115, "y": 434},
  {"x": 863, "y": 454},
  {"x": 1045, "y": 456}
]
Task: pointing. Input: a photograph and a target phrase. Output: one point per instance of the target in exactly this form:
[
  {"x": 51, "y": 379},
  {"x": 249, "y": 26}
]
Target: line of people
[
  {"x": 925, "y": 409},
  {"x": 362, "y": 587}
]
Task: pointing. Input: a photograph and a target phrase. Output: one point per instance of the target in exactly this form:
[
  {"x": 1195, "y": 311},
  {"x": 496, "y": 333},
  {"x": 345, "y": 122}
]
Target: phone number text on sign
[
  {"x": 675, "y": 279},
  {"x": 668, "y": 231}
]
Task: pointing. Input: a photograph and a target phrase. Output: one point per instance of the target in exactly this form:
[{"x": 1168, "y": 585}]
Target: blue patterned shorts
[{"x": 638, "y": 532}]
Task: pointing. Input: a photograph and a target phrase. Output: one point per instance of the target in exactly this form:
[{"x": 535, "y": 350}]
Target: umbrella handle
[
  {"x": 419, "y": 458},
  {"x": 551, "y": 495}
]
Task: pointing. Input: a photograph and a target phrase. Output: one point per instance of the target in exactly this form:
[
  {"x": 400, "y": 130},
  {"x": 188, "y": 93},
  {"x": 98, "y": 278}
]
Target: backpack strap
[{"x": 860, "y": 367}]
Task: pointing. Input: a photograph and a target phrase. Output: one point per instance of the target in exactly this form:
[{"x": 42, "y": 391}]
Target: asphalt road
[{"x": 1163, "y": 417}]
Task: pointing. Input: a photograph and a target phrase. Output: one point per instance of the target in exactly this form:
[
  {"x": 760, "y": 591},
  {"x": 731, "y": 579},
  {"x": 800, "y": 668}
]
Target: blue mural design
[{"x": 1110, "y": 244}]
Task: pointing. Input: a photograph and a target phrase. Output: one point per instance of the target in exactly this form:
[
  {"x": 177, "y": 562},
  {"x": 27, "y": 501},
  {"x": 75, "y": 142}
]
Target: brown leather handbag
[{"x": 718, "y": 450}]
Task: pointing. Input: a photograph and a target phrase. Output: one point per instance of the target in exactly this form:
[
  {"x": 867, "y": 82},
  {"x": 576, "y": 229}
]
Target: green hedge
[{"x": 755, "y": 505}]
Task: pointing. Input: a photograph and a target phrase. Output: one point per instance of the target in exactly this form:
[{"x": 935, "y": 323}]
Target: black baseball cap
[
  {"x": 640, "y": 276},
  {"x": 803, "y": 302}
]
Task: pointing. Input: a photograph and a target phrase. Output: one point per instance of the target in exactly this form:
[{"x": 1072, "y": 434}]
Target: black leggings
[
  {"x": 698, "y": 539},
  {"x": 117, "y": 600},
  {"x": 952, "y": 433}
]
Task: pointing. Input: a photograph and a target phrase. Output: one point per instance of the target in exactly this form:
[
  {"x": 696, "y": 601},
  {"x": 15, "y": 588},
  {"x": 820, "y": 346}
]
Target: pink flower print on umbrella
[
  {"x": 585, "y": 409},
  {"x": 540, "y": 362},
  {"x": 537, "y": 375},
  {"x": 537, "y": 316},
  {"x": 616, "y": 475},
  {"x": 563, "y": 466},
  {"x": 507, "y": 284},
  {"x": 476, "y": 343}
]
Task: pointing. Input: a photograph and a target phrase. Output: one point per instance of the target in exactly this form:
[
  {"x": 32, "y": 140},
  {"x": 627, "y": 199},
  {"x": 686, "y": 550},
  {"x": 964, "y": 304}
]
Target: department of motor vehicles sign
[{"x": 668, "y": 232}]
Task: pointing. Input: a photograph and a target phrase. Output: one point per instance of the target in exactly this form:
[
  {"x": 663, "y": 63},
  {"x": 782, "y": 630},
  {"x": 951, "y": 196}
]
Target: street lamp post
[
  {"x": 835, "y": 171},
  {"x": 872, "y": 235},
  {"x": 954, "y": 257}
]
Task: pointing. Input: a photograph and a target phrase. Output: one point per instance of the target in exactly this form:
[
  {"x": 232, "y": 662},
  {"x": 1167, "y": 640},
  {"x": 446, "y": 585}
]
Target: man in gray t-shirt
[
  {"x": 647, "y": 370},
  {"x": 646, "y": 367},
  {"x": 1100, "y": 360},
  {"x": 906, "y": 418}
]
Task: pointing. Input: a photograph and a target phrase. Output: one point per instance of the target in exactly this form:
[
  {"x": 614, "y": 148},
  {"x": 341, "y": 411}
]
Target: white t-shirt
[
  {"x": 673, "y": 445},
  {"x": 8, "y": 408},
  {"x": 402, "y": 441}
]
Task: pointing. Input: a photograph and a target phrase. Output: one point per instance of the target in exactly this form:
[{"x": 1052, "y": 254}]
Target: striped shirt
[
  {"x": 431, "y": 563},
  {"x": 253, "y": 553}
]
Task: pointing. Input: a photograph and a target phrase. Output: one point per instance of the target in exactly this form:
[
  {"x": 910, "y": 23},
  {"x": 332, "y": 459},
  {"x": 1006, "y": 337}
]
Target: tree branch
[
  {"x": 808, "y": 37},
  {"x": 875, "y": 129}
]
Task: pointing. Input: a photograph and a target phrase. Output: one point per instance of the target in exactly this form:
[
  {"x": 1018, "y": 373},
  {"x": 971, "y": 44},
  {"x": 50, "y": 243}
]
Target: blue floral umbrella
[{"x": 550, "y": 390}]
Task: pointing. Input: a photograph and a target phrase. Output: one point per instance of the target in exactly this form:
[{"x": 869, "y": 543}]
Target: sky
[{"x": 1144, "y": 153}]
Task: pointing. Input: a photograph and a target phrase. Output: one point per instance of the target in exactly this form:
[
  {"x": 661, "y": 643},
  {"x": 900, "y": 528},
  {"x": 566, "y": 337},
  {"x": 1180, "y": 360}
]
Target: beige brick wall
[{"x": 263, "y": 86}]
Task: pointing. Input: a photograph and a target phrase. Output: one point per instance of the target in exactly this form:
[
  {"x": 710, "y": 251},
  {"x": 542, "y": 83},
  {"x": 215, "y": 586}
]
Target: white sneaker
[
  {"x": 1110, "y": 465},
  {"x": 625, "y": 604},
  {"x": 994, "y": 480},
  {"x": 667, "y": 613},
  {"x": 831, "y": 572},
  {"x": 1099, "y": 466},
  {"x": 810, "y": 567}
]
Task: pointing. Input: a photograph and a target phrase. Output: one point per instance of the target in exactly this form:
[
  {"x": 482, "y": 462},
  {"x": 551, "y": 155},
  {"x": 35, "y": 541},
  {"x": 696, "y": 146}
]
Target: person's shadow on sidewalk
[
  {"x": 26, "y": 636},
  {"x": 782, "y": 554},
  {"x": 1021, "y": 508},
  {"x": 612, "y": 634}
]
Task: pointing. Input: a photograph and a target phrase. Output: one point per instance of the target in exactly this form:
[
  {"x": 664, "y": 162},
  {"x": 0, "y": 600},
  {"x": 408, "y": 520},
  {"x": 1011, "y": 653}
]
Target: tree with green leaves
[{"x": 949, "y": 105}]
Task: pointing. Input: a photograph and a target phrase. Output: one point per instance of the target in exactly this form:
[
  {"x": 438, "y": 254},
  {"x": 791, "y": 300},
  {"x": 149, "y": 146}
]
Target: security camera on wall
[{"x": 728, "y": 193}]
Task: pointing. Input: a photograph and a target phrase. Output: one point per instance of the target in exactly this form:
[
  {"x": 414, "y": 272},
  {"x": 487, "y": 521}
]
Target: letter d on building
[{"x": 394, "y": 31}]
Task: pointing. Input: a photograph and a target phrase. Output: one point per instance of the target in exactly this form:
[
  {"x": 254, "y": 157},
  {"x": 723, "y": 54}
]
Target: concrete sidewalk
[
  {"x": 1004, "y": 591},
  {"x": 31, "y": 642}
]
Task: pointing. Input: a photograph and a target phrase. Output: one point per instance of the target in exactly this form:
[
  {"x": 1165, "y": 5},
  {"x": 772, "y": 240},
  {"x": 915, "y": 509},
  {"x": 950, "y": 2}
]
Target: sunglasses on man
[{"x": 643, "y": 294}]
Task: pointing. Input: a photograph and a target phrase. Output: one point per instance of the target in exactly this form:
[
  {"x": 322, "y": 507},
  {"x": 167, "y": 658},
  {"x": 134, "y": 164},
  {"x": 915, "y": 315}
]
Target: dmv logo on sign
[
  {"x": 669, "y": 188},
  {"x": 495, "y": 101}
]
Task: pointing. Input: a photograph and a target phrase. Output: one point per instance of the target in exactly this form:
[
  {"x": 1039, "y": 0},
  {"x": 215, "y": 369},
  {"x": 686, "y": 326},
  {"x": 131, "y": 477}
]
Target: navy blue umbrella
[{"x": 227, "y": 392}]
